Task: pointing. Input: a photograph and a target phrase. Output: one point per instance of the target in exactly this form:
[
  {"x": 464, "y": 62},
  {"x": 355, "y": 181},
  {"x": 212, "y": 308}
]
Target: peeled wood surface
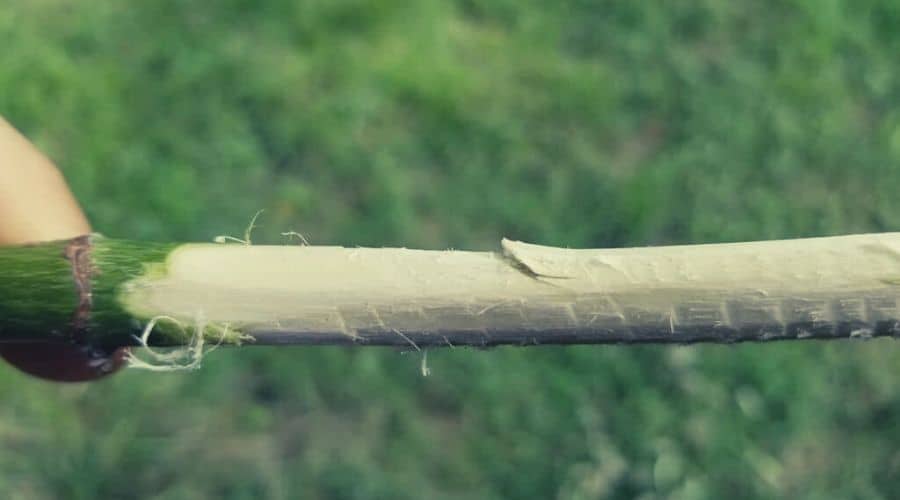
[{"x": 809, "y": 288}]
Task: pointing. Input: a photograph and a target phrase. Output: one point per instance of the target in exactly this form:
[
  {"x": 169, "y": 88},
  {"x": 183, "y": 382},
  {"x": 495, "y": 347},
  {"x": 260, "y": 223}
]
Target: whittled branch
[{"x": 103, "y": 291}]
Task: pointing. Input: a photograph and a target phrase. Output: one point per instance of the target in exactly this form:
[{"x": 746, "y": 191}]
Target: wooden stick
[{"x": 104, "y": 291}]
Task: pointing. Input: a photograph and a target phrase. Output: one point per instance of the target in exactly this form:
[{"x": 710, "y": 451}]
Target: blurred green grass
[{"x": 452, "y": 124}]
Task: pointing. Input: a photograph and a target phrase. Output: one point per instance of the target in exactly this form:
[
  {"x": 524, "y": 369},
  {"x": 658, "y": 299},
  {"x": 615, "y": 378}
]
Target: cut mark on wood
[
  {"x": 725, "y": 311},
  {"x": 531, "y": 260},
  {"x": 490, "y": 307},
  {"x": 570, "y": 310},
  {"x": 78, "y": 253},
  {"x": 403, "y": 335},
  {"x": 861, "y": 333},
  {"x": 346, "y": 330},
  {"x": 377, "y": 317}
]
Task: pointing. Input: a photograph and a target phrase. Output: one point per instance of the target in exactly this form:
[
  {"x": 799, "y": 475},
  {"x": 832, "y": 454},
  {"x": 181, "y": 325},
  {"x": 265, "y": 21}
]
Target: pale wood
[{"x": 834, "y": 287}]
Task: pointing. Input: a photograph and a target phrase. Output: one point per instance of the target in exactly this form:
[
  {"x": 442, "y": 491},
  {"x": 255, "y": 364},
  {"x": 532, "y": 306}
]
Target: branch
[{"x": 103, "y": 291}]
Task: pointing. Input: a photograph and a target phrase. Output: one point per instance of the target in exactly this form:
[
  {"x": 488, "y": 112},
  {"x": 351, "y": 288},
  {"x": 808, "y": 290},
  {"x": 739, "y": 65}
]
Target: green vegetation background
[{"x": 451, "y": 124}]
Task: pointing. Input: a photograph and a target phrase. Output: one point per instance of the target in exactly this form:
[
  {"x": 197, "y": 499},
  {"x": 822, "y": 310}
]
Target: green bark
[{"x": 40, "y": 296}]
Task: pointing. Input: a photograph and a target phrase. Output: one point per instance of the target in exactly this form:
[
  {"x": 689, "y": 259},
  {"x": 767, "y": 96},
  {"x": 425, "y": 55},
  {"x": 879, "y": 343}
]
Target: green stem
[{"x": 68, "y": 290}]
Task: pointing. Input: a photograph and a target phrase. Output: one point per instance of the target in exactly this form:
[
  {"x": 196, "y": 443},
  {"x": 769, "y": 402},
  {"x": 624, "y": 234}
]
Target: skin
[
  {"x": 36, "y": 205},
  {"x": 35, "y": 202}
]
